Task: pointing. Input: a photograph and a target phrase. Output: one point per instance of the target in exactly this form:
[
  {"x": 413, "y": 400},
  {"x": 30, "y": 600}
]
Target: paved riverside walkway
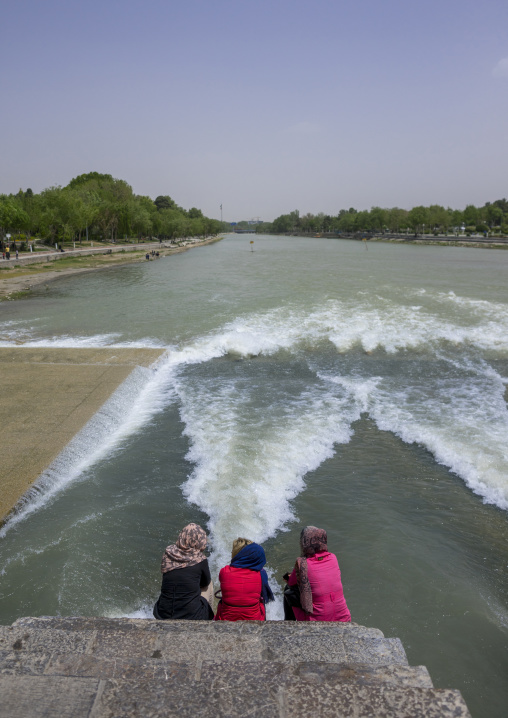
[
  {"x": 132, "y": 668},
  {"x": 53, "y": 255},
  {"x": 48, "y": 395}
]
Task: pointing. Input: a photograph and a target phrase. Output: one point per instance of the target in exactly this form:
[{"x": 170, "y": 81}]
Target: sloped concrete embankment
[
  {"x": 48, "y": 395},
  {"x": 99, "y": 667}
]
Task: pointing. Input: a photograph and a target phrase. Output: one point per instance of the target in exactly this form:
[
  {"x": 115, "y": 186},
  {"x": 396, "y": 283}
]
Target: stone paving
[{"x": 114, "y": 668}]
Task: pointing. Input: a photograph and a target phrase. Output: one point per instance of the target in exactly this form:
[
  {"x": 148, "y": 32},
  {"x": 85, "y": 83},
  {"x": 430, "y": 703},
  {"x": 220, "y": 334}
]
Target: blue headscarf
[{"x": 253, "y": 556}]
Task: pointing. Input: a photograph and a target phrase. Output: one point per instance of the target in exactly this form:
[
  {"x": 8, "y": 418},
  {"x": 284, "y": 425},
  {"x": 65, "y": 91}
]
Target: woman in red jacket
[
  {"x": 244, "y": 584},
  {"x": 317, "y": 575}
]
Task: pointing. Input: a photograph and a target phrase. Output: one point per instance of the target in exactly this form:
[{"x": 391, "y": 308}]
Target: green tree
[
  {"x": 455, "y": 217},
  {"x": 282, "y": 224},
  {"x": 52, "y": 215},
  {"x": 396, "y": 219},
  {"x": 378, "y": 219},
  {"x": 91, "y": 177},
  {"x": 12, "y": 216},
  {"x": 438, "y": 218},
  {"x": 362, "y": 221},
  {"x": 346, "y": 221},
  {"x": 309, "y": 223},
  {"x": 164, "y": 202},
  {"x": 471, "y": 215},
  {"x": 494, "y": 215},
  {"x": 418, "y": 217},
  {"x": 327, "y": 223}
]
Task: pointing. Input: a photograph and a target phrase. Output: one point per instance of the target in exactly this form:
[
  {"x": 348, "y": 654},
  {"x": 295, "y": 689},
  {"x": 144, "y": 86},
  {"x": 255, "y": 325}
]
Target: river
[{"x": 359, "y": 387}]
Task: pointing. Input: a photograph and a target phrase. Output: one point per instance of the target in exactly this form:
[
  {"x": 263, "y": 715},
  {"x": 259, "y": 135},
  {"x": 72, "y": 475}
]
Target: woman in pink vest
[
  {"x": 317, "y": 575},
  {"x": 244, "y": 584}
]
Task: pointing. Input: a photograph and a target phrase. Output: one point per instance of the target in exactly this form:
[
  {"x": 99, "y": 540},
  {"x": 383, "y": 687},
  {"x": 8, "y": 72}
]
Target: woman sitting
[
  {"x": 317, "y": 575},
  {"x": 244, "y": 584},
  {"x": 185, "y": 578}
]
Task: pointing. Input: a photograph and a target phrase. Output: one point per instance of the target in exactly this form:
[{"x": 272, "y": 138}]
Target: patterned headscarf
[
  {"x": 312, "y": 541},
  {"x": 187, "y": 551}
]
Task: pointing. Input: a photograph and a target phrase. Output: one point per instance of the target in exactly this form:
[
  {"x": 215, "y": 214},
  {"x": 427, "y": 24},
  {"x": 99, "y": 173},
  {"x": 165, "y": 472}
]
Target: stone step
[
  {"x": 41, "y": 696},
  {"x": 181, "y": 641},
  {"x": 101, "y": 623},
  {"x": 44, "y": 697},
  {"x": 316, "y": 673}
]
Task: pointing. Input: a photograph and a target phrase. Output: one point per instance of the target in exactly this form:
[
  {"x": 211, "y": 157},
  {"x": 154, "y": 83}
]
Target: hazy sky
[{"x": 264, "y": 106}]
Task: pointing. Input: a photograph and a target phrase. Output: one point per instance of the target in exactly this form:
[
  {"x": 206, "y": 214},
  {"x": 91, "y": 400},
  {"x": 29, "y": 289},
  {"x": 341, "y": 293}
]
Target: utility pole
[{"x": 221, "y": 213}]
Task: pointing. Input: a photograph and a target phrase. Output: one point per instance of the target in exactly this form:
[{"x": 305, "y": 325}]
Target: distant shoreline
[
  {"x": 442, "y": 241},
  {"x": 476, "y": 242}
]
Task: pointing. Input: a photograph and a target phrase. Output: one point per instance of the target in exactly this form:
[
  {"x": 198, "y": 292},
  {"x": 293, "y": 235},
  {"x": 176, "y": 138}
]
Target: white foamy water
[
  {"x": 247, "y": 489},
  {"x": 460, "y": 415},
  {"x": 463, "y": 426},
  {"x": 23, "y": 338},
  {"x": 253, "y": 443}
]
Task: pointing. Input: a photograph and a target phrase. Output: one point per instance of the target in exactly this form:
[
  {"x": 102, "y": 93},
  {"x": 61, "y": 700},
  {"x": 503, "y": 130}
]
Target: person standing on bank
[
  {"x": 244, "y": 584},
  {"x": 317, "y": 575},
  {"x": 187, "y": 590}
]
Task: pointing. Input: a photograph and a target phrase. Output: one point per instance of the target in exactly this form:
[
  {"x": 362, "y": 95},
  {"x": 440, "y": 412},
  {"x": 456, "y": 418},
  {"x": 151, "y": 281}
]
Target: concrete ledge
[
  {"x": 232, "y": 672},
  {"x": 221, "y": 641},
  {"x": 71, "y": 697},
  {"x": 103, "y": 624},
  {"x": 48, "y": 395}
]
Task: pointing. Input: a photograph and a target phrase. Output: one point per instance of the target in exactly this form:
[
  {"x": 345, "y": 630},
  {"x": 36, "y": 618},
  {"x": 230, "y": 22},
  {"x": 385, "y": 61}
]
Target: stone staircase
[{"x": 116, "y": 668}]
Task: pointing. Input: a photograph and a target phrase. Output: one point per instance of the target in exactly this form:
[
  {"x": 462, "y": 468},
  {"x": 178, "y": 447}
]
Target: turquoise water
[{"x": 322, "y": 382}]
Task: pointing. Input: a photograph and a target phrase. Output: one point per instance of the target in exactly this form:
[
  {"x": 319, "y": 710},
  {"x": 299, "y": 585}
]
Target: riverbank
[
  {"x": 477, "y": 242},
  {"x": 19, "y": 277},
  {"x": 48, "y": 395}
]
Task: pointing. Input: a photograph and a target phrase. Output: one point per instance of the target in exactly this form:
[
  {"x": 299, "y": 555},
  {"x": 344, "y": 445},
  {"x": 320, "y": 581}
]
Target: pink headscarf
[{"x": 187, "y": 551}]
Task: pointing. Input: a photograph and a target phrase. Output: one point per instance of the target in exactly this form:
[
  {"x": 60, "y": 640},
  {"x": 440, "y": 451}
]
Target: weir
[
  {"x": 100, "y": 667},
  {"x": 48, "y": 395}
]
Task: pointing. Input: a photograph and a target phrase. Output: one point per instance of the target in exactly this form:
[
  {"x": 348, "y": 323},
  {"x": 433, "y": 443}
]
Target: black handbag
[{"x": 292, "y": 596}]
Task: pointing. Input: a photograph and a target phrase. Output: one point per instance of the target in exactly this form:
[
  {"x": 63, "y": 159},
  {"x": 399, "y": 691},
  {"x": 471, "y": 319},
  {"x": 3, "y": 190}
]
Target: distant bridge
[{"x": 244, "y": 231}]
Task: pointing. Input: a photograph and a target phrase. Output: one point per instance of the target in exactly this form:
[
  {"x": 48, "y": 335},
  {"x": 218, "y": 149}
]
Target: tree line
[
  {"x": 100, "y": 207},
  {"x": 492, "y": 218}
]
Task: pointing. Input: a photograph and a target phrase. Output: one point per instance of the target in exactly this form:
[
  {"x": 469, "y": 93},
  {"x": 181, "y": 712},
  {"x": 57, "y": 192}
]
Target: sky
[{"x": 263, "y": 106}]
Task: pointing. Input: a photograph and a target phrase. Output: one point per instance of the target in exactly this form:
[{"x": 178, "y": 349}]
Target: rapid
[{"x": 357, "y": 387}]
